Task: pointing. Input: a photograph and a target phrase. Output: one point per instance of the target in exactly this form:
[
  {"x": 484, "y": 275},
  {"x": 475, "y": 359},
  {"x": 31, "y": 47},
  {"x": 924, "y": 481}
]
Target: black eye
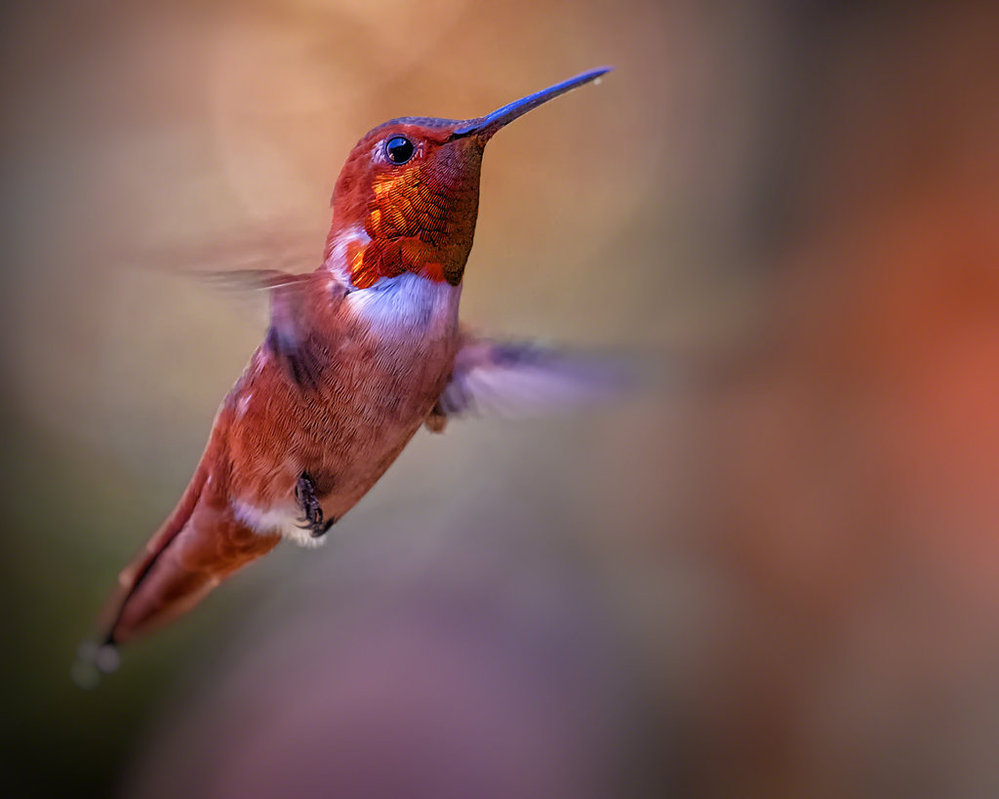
[{"x": 399, "y": 149}]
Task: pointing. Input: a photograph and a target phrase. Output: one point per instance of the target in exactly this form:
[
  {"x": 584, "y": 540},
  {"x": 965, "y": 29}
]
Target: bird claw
[{"x": 305, "y": 493}]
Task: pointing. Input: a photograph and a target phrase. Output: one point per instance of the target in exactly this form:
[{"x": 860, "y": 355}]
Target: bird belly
[{"x": 374, "y": 393}]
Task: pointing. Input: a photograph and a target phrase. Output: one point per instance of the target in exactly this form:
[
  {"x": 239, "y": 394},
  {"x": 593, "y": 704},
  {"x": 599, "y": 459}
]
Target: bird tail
[{"x": 100, "y": 655}]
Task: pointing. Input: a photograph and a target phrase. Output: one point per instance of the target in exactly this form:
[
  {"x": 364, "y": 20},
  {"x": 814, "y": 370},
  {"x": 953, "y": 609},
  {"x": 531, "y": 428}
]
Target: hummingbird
[{"x": 358, "y": 356}]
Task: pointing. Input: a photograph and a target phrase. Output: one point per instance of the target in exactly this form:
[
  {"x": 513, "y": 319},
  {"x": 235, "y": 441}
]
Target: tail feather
[
  {"x": 100, "y": 656},
  {"x": 132, "y": 576},
  {"x": 200, "y": 544},
  {"x": 208, "y": 548}
]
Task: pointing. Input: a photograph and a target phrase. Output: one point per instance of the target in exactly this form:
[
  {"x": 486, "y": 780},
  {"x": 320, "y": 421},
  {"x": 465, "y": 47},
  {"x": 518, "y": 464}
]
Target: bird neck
[{"x": 364, "y": 260}]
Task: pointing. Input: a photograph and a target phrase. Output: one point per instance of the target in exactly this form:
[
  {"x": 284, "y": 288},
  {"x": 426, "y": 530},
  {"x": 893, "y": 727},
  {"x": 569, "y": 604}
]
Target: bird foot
[{"x": 312, "y": 520}]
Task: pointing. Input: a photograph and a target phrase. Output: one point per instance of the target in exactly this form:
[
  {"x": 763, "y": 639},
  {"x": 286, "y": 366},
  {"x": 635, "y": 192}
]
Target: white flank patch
[{"x": 283, "y": 520}]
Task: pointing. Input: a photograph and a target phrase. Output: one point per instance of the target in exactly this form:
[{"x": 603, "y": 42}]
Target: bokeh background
[{"x": 775, "y": 572}]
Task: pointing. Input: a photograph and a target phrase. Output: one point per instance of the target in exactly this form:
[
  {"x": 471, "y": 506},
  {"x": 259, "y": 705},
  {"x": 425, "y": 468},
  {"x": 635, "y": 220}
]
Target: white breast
[{"x": 407, "y": 304}]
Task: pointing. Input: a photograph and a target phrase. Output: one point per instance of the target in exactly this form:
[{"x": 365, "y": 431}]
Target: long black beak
[{"x": 488, "y": 125}]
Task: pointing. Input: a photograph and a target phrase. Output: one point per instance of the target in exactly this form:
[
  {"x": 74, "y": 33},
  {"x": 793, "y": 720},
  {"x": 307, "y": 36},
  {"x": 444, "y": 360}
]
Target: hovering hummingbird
[{"x": 358, "y": 356}]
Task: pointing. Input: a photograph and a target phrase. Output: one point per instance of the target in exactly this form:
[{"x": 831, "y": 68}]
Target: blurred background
[{"x": 776, "y": 574}]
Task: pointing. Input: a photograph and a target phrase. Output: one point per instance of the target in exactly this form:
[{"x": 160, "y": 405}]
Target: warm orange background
[{"x": 774, "y": 573}]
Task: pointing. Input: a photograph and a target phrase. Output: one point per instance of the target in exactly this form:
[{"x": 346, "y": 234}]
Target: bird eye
[{"x": 399, "y": 149}]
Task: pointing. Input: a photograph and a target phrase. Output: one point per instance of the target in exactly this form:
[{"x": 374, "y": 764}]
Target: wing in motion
[
  {"x": 288, "y": 335},
  {"x": 523, "y": 379}
]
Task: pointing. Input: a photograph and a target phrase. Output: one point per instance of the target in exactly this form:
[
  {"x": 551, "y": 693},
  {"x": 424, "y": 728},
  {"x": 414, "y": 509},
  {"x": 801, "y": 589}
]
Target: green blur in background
[{"x": 775, "y": 573}]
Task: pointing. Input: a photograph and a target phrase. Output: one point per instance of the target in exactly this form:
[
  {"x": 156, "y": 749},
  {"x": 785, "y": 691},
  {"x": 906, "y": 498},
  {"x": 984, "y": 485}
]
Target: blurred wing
[
  {"x": 290, "y": 325},
  {"x": 280, "y": 243},
  {"x": 523, "y": 379},
  {"x": 250, "y": 279}
]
